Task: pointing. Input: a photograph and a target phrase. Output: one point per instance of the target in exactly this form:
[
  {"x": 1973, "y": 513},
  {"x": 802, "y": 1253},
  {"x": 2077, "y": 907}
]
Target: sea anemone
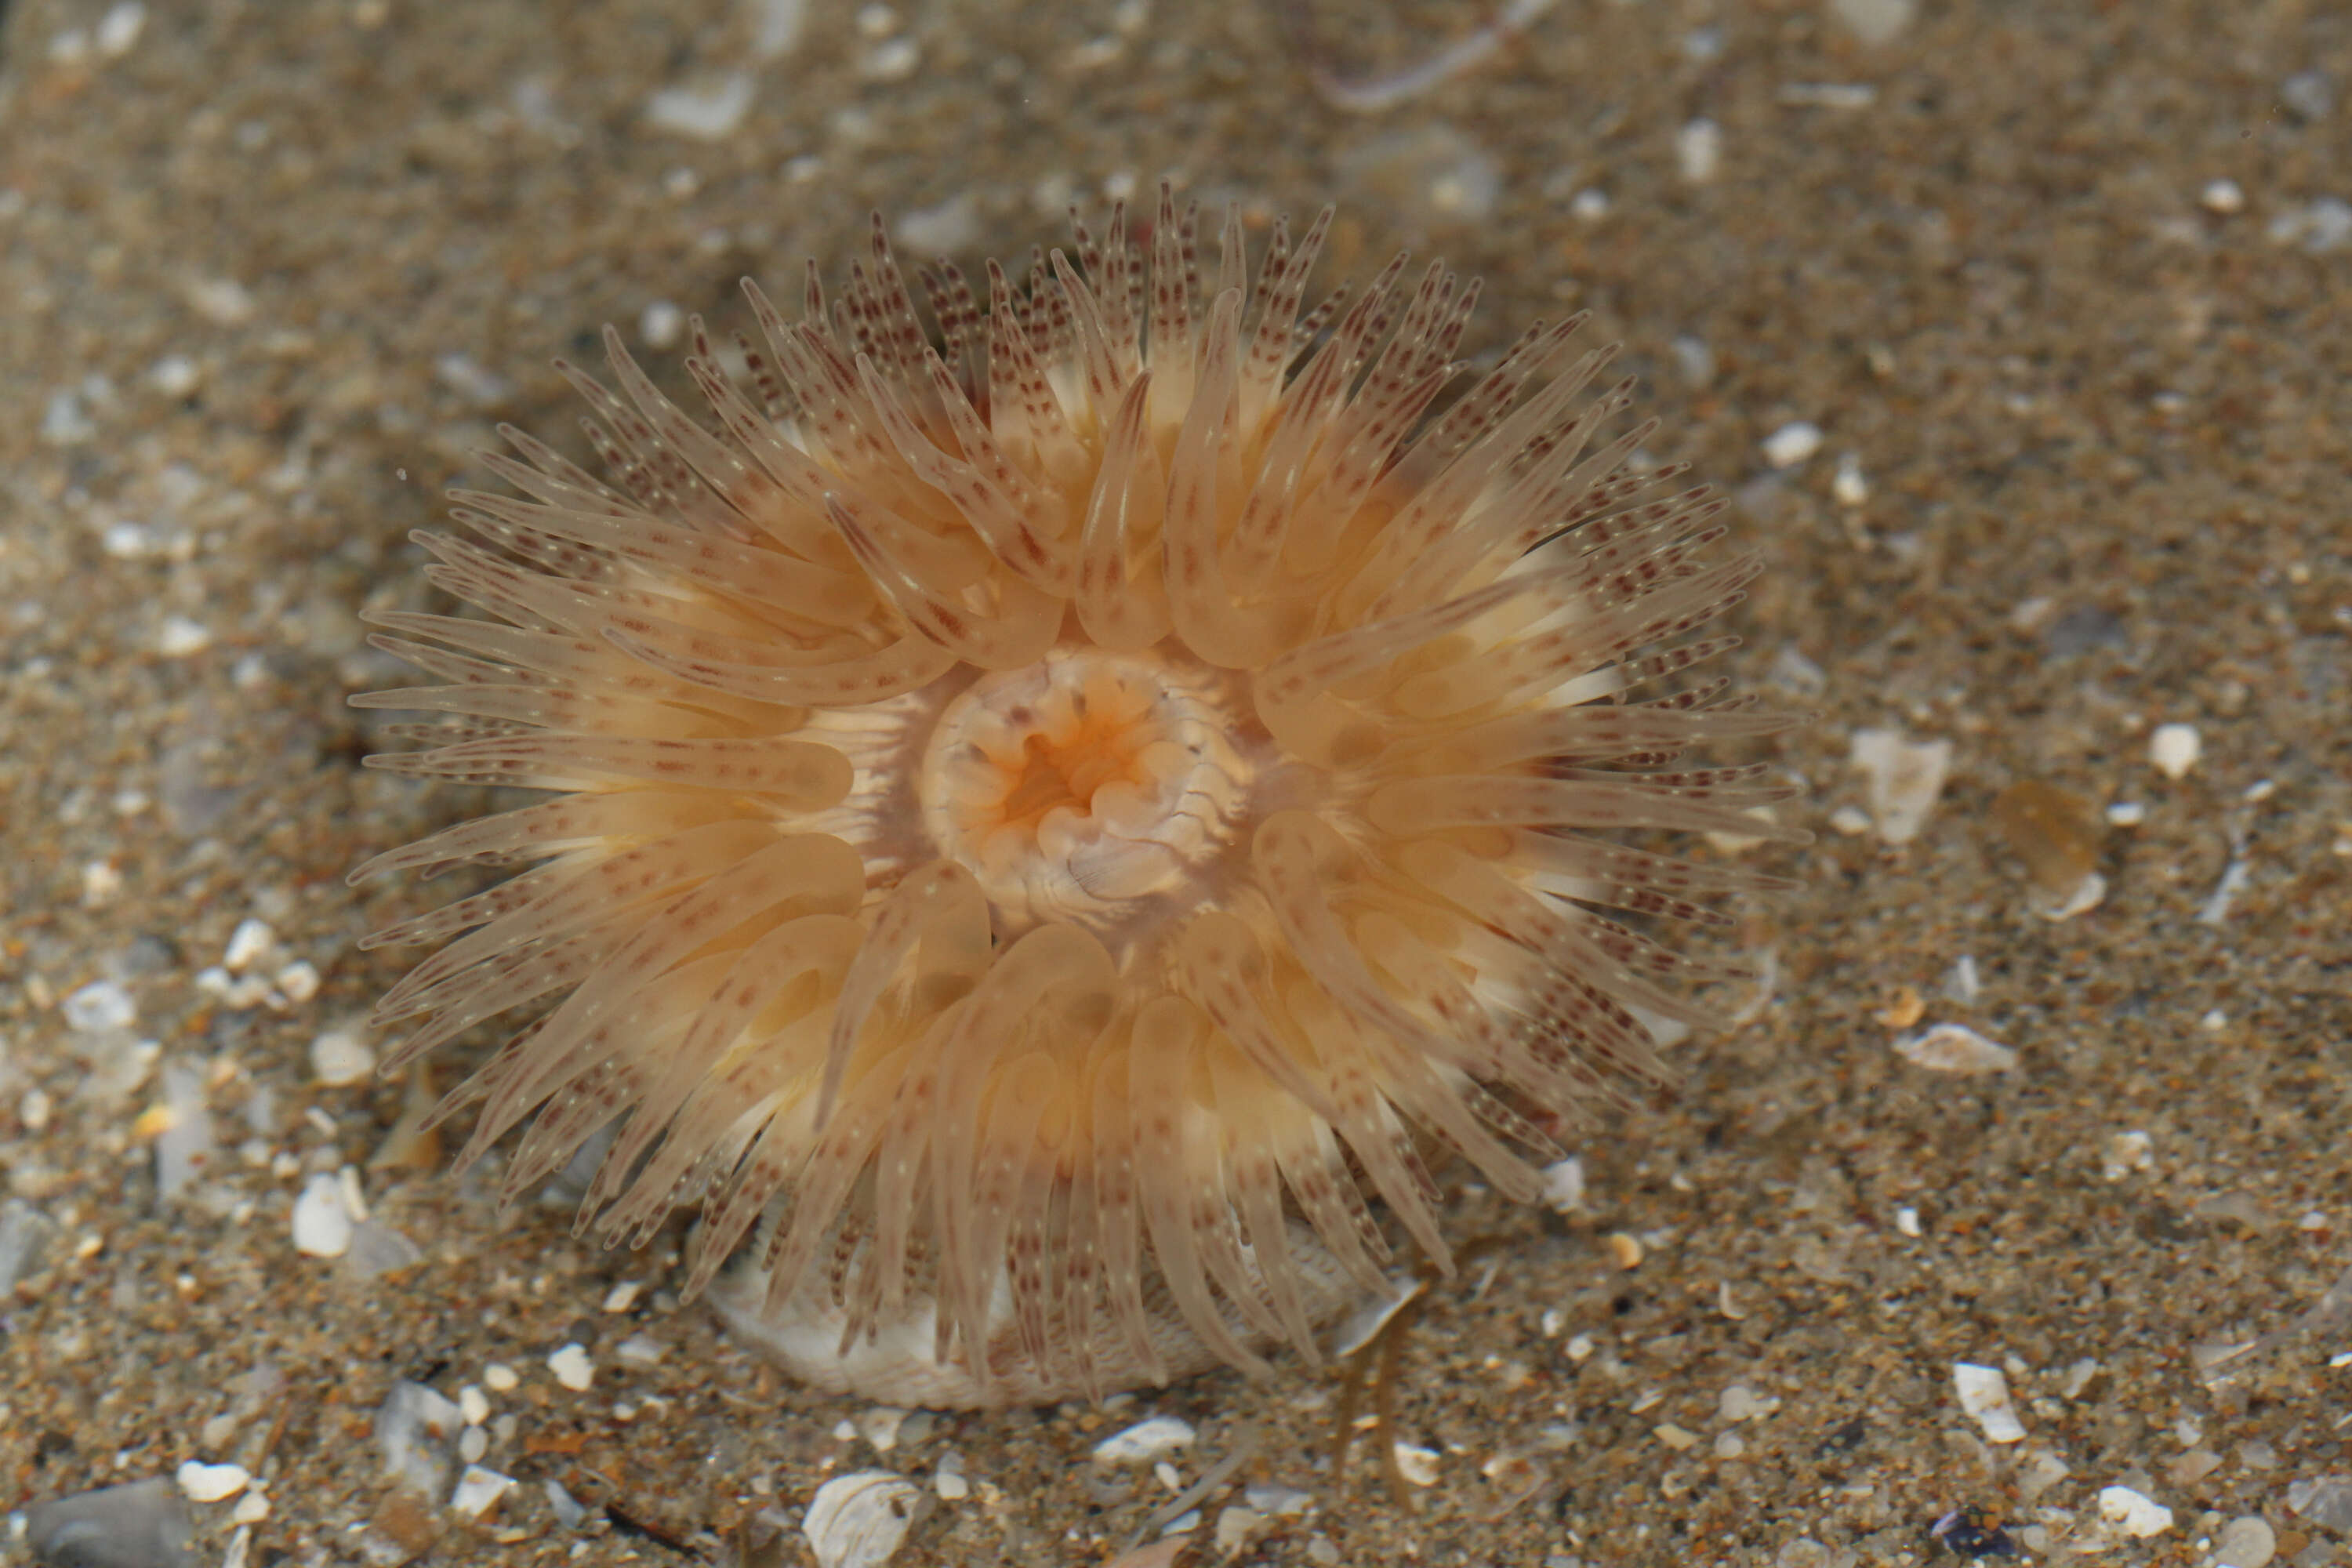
[{"x": 1059, "y": 817}]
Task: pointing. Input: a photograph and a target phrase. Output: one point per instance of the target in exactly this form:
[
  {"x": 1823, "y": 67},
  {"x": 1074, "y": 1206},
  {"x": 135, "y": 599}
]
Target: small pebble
[
  {"x": 569, "y": 1512},
  {"x": 501, "y": 1378},
  {"x": 141, "y": 1522},
  {"x": 414, "y": 1428},
  {"x": 1283, "y": 1502},
  {"x": 623, "y": 1296},
  {"x": 101, "y": 1008},
  {"x": 2126, "y": 1152},
  {"x": 2174, "y": 749},
  {"x": 2245, "y": 1542},
  {"x": 252, "y": 941},
  {"x": 1699, "y": 151},
  {"x": 1563, "y": 1185},
  {"x": 474, "y": 1404},
  {"x": 1850, "y": 821},
  {"x": 298, "y": 981},
  {"x": 895, "y": 59},
  {"x": 174, "y": 376},
  {"x": 2325, "y": 1501},
  {"x": 2222, "y": 196},
  {"x": 1738, "y": 1403},
  {"x": 178, "y": 636},
  {"x": 1847, "y": 484},
  {"x": 1695, "y": 360},
  {"x": 660, "y": 325},
  {"x": 27, "y": 1236},
  {"x": 2043, "y": 1469},
  {"x": 1235, "y": 1525},
  {"x": 706, "y": 110},
  {"x": 1874, "y": 21},
  {"x": 879, "y": 1426}
]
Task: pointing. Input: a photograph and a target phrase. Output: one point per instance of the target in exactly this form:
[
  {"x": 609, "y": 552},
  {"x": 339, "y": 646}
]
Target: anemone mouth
[
  {"x": 1053, "y": 814},
  {"x": 1107, "y": 790}
]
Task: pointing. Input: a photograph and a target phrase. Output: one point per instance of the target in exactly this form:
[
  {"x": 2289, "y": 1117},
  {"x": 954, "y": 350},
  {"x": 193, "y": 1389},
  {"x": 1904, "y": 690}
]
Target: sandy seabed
[{"x": 2064, "y": 290}]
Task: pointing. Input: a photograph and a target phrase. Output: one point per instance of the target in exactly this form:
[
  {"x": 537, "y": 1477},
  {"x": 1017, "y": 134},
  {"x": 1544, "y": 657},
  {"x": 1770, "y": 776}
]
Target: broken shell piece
[
  {"x": 1907, "y": 1008},
  {"x": 1984, "y": 1395},
  {"x": 1954, "y": 1048},
  {"x": 2124, "y": 1153},
  {"x": 857, "y": 1520},
  {"x": 2137, "y": 1512},
  {"x": 1901, "y": 779},
  {"x": 1362, "y": 1326},
  {"x": 1563, "y": 1185},
  {"x": 1417, "y": 1464},
  {"x": 2174, "y": 749},
  {"x": 2056, "y": 833},
  {"x": 1145, "y": 1442}
]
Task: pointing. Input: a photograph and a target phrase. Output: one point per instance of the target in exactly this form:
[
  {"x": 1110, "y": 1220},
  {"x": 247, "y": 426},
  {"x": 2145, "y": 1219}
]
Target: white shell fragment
[
  {"x": 1984, "y": 1395},
  {"x": 1563, "y": 1185},
  {"x": 323, "y": 1224},
  {"x": 201, "y": 1482},
  {"x": 2124, "y": 1153},
  {"x": 2138, "y": 1513},
  {"x": 1848, "y": 484},
  {"x": 1793, "y": 443},
  {"x": 705, "y": 110},
  {"x": 2174, "y": 749},
  {"x": 479, "y": 1491},
  {"x": 248, "y": 944},
  {"x": 1954, "y": 1048},
  {"x": 572, "y": 1368},
  {"x": 1698, "y": 150},
  {"x": 1901, "y": 779},
  {"x": 341, "y": 1056},
  {"x": 1145, "y": 1442},
  {"x": 858, "y": 1520},
  {"x": 1417, "y": 1464}
]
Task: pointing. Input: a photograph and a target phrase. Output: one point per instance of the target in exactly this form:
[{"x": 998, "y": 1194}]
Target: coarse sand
[{"x": 2019, "y": 333}]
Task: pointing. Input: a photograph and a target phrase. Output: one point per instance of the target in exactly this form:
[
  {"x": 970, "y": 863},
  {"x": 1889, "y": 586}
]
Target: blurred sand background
[{"x": 2066, "y": 291}]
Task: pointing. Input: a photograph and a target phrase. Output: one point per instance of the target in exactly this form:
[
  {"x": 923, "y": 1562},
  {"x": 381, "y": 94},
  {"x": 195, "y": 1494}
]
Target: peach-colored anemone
[{"x": 1048, "y": 828}]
